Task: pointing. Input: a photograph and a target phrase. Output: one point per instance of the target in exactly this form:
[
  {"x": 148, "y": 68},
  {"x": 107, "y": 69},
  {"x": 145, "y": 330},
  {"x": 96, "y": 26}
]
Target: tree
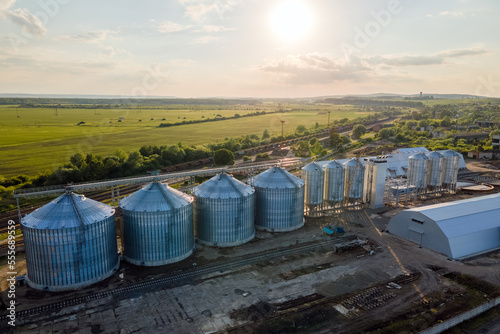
[
  {"x": 334, "y": 138},
  {"x": 301, "y": 128},
  {"x": 223, "y": 157},
  {"x": 423, "y": 123},
  {"x": 358, "y": 131},
  {"x": 446, "y": 122},
  {"x": 265, "y": 134},
  {"x": 384, "y": 133}
]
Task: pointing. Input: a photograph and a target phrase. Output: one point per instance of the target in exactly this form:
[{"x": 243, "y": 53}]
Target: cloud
[
  {"x": 27, "y": 21},
  {"x": 170, "y": 27},
  {"x": 88, "y": 37},
  {"x": 214, "y": 28},
  {"x": 182, "y": 62},
  {"x": 198, "y": 9},
  {"x": 6, "y": 4},
  {"x": 420, "y": 60},
  {"x": 315, "y": 68},
  {"x": 205, "y": 39},
  {"x": 452, "y": 14}
]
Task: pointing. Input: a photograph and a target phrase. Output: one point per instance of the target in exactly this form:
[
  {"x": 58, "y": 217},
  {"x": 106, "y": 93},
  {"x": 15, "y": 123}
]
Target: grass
[{"x": 39, "y": 140}]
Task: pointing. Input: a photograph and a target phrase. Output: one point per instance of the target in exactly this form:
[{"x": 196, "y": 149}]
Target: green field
[{"x": 39, "y": 139}]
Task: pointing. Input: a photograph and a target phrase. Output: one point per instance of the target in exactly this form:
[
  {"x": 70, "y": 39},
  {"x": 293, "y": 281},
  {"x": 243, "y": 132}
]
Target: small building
[
  {"x": 487, "y": 124},
  {"x": 482, "y": 155},
  {"x": 472, "y": 136},
  {"x": 457, "y": 229},
  {"x": 495, "y": 141}
]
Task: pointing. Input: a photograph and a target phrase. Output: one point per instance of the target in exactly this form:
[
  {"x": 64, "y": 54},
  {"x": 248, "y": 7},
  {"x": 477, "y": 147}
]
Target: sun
[{"x": 291, "y": 20}]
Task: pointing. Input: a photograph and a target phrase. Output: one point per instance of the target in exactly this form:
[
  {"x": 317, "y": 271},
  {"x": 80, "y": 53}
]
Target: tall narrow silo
[
  {"x": 354, "y": 182},
  {"x": 418, "y": 170},
  {"x": 333, "y": 193},
  {"x": 436, "y": 171},
  {"x": 224, "y": 210},
  {"x": 70, "y": 243},
  {"x": 157, "y": 225},
  {"x": 313, "y": 176},
  {"x": 279, "y": 201},
  {"x": 451, "y": 160}
]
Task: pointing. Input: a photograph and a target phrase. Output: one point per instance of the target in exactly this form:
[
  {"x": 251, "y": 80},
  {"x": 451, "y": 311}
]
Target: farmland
[{"x": 37, "y": 139}]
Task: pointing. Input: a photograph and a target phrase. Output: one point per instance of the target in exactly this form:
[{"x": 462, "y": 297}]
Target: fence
[{"x": 445, "y": 325}]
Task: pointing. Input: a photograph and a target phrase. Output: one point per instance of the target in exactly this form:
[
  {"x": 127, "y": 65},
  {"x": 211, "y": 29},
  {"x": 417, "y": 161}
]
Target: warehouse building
[{"x": 457, "y": 229}]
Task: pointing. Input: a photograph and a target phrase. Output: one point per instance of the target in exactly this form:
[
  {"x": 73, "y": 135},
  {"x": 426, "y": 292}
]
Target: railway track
[{"x": 178, "y": 278}]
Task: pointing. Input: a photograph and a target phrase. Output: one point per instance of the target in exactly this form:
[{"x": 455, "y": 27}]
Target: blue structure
[
  {"x": 157, "y": 225},
  {"x": 279, "y": 201},
  {"x": 224, "y": 211},
  {"x": 70, "y": 243}
]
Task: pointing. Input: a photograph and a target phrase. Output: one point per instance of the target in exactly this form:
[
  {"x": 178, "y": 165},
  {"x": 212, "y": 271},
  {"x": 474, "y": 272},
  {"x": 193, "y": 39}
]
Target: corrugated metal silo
[
  {"x": 224, "y": 211},
  {"x": 157, "y": 225},
  {"x": 435, "y": 170},
  {"x": 418, "y": 166},
  {"x": 333, "y": 192},
  {"x": 313, "y": 176},
  {"x": 70, "y": 243},
  {"x": 354, "y": 181},
  {"x": 451, "y": 160},
  {"x": 279, "y": 201}
]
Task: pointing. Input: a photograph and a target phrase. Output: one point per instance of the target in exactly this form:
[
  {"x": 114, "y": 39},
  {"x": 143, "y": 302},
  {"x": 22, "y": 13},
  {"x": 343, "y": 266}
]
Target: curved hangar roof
[{"x": 457, "y": 229}]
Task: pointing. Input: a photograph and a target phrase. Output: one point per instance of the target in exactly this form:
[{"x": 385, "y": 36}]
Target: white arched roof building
[{"x": 457, "y": 229}]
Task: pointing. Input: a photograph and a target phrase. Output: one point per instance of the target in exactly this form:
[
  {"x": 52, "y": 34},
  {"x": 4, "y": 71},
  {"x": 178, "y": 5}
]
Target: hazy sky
[{"x": 251, "y": 48}]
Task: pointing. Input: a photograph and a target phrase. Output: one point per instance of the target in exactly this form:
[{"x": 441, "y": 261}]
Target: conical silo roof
[
  {"x": 353, "y": 162},
  {"x": 155, "y": 197},
  {"x": 419, "y": 156},
  {"x": 222, "y": 186},
  {"x": 334, "y": 164},
  {"x": 67, "y": 211},
  {"x": 277, "y": 178},
  {"x": 313, "y": 166},
  {"x": 434, "y": 155},
  {"x": 449, "y": 153}
]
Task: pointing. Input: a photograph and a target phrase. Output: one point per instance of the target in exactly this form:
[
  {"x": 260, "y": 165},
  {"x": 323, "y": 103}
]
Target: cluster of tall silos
[
  {"x": 433, "y": 172},
  {"x": 333, "y": 186}
]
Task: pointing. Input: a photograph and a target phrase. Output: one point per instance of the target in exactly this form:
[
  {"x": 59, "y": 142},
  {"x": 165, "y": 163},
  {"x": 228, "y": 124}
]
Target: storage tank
[
  {"x": 451, "y": 160},
  {"x": 224, "y": 211},
  {"x": 279, "y": 201},
  {"x": 313, "y": 176},
  {"x": 333, "y": 192},
  {"x": 157, "y": 225},
  {"x": 70, "y": 243},
  {"x": 354, "y": 181},
  {"x": 418, "y": 165},
  {"x": 435, "y": 170}
]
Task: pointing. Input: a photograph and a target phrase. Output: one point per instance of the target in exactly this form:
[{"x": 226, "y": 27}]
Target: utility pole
[{"x": 282, "y": 123}]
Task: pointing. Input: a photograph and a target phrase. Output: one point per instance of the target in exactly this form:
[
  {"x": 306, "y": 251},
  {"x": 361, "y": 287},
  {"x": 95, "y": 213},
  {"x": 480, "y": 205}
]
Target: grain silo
[
  {"x": 418, "y": 170},
  {"x": 451, "y": 160},
  {"x": 435, "y": 171},
  {"x": 333, "y": 192},
  {"x": 224, "y": 211},
  {"x": 70, "y": 243},
  {"x": 279, "y": 201},
  {"x": 157, "y": 225},
  {"x": 313, "y": 176},
  {"x": 354, "y": 182}
]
